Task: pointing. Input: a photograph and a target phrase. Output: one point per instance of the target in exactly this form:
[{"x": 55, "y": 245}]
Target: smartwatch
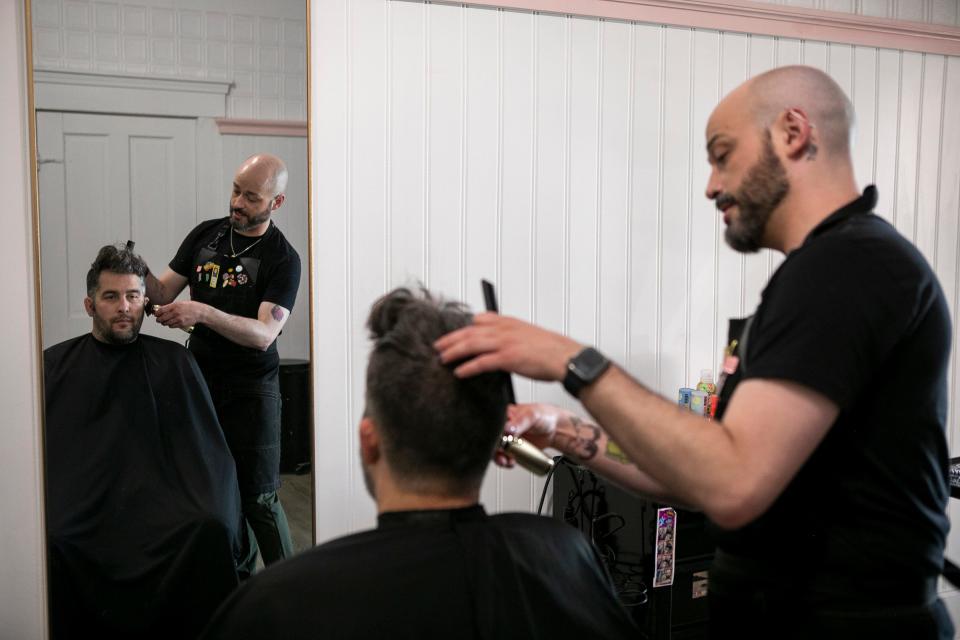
[{"x": 583, "y": 369}]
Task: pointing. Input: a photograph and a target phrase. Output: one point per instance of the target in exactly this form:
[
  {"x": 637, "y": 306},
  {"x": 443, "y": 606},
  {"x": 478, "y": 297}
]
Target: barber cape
[{"x": 143, "y": 510}]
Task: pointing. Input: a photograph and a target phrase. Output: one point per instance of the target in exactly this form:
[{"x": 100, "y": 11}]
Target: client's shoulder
[
  {"x": 163, "y": 345},
  {"x": 58, "y": 350},
  {"x": 538, "y": 528}
]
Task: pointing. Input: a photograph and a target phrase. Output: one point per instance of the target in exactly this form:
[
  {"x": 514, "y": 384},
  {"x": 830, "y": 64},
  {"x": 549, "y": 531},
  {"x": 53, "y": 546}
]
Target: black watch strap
[{"x": 583, "y": 369}]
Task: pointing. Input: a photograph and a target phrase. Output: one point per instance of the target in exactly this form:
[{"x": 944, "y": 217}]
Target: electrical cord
[{"x": 587, "y": 511}]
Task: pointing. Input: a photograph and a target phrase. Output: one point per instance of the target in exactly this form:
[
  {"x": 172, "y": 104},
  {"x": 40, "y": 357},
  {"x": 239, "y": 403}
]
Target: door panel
[{"x": 107, "y": 179}]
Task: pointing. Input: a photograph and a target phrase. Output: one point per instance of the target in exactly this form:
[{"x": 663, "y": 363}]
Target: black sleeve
[
  {"x": 284, "y": 282},
  {"x": 831, "y": 318},
  {"x": 182, "y": 263}
]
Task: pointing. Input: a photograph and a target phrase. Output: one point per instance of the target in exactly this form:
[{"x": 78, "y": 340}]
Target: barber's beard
[
  {"x": 247, "y": 220},
  {"x": 106, "y": 331},
  {"x": 761, "y": 192}
]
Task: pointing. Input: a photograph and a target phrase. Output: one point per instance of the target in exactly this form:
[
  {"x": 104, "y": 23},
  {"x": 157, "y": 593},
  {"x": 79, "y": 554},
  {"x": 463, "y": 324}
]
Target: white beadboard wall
[
  {"x": 259, "y": 46},
  {"x": 563, "y": 159}
]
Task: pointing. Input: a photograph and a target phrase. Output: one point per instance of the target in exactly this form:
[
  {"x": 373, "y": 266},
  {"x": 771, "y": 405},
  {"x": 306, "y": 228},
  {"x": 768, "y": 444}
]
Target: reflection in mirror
[{"x": 179, "y": 126}]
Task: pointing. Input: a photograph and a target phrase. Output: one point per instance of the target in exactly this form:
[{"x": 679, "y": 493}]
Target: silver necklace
[{"x": 236, "y": 253}]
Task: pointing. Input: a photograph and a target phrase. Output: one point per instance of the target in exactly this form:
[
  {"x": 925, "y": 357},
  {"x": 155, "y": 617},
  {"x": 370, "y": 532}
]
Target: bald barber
[
  {"x": 243, "y": 277},
  {"x": 825, "y": 470}
]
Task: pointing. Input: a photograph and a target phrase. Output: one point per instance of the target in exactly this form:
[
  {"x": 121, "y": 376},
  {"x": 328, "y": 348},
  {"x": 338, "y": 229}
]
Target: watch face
[{"x": 590, "y": 363}]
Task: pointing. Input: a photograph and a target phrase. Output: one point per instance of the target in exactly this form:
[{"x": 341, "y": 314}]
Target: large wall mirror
[{"x": 144, "y": 112}]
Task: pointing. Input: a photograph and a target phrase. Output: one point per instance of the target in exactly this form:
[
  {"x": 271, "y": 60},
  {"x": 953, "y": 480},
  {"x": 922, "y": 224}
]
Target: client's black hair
[
  {"x": 118, "y": 258},
  {"x": 436, "y": 427}
]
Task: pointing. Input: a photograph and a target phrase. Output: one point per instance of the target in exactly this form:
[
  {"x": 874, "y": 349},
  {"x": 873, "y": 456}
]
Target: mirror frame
[{"x": 33, "y": 173}]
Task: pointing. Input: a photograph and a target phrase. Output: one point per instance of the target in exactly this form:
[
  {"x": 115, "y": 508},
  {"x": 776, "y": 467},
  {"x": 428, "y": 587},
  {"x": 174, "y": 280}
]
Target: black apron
[{"x": 247, "y": 398}]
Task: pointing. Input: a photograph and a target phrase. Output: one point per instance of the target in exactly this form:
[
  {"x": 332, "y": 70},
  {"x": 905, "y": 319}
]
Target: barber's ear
[
  {"x": 369, "y": 441},
  {"x": 797, "y": 133},
  {"x": 88, "y": 305}
]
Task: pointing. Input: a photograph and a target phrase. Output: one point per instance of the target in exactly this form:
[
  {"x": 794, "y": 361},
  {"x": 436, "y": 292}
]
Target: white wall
[
  {"x": 946, "y": 12},
  {"x": 22, "y": 592},
  {"x": 259, "y": 46},
  {"x": 563, "y": 158}
]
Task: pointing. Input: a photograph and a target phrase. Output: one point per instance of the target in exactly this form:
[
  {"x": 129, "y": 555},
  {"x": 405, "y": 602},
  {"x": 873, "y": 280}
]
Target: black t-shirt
[
  {"x": 856, "y": 314},
  {"x": 265, "y": 269},
  {"x": 434, "y": 574}
]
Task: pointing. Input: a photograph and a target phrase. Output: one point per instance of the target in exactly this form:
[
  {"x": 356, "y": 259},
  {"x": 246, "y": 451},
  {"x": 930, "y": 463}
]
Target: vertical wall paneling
[
  {"x": 887, "y": 153},
  {"x": 405, "y": 107},
  {"x": 584, "y": 166},
  {"x": 613, "y": 180},
  {"x": 335, "y": 446},
  {"x": 515, "y": 216},
  {"x": 863, "y": 94},
  {"x": 908, "y": 142},
  {"x": 366, "y": 184},
  {"x": 646, "y": 185},
  {"x": 928, "y": 158},
  {"x": 675, "y": 282},
  {"x": 443, "y": 224},
  {"x": 563, "y": 159},
  {"x": 705, "y": 220}
]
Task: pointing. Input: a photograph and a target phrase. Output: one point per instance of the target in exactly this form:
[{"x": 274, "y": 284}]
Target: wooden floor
[{"x": 295, "y": 497}]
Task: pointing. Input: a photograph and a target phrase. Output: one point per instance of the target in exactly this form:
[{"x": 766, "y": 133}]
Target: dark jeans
[
  {"x": 249, "y": 413},
  {"x": 267, "y": 532}
]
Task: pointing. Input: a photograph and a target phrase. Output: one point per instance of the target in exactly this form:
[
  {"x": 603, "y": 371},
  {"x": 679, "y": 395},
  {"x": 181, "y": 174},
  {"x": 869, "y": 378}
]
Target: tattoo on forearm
[
  {"x": 277, "y": 312},
  {"x": 585, "y": 443}
]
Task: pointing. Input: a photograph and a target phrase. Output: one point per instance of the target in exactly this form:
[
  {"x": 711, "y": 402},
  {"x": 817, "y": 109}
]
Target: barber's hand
[
  {"x": 494, "y": 342},
  {"x": 545, "y": 425},
  {"x": 180, "y": 315}
]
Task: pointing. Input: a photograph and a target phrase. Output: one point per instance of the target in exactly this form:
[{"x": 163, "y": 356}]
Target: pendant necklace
[{"x": 236, "y": 253}]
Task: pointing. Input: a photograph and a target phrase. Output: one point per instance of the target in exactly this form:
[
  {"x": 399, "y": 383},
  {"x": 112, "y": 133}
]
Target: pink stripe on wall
[
  {"x": 742, "y": 16},
  {"x": 240, "y": 126}
]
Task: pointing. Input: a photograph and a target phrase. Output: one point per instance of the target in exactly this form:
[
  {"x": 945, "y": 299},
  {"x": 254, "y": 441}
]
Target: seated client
[
  {"x": 143, "y": 509},
  {"x": 436, "y": 566}
]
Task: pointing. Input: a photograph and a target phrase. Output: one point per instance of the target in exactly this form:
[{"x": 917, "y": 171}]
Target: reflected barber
[{"x": 243, "y": 276}]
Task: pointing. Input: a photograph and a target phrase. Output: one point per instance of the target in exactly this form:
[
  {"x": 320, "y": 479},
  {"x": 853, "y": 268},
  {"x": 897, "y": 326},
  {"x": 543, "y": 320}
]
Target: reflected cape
[{"x": 143, "y": 510}]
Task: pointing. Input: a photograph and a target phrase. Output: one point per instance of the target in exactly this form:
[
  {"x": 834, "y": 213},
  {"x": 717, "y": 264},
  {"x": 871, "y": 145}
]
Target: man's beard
[
  {"x": 107, "y": 333},
  {"x": 761, "y": 192},
  {"x": 247, "y": 221}
]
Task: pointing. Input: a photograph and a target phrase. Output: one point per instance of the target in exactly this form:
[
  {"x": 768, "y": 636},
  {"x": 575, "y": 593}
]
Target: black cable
[
  {"x": 587, "y": 511},
  {"x": 543, "y": 496}
]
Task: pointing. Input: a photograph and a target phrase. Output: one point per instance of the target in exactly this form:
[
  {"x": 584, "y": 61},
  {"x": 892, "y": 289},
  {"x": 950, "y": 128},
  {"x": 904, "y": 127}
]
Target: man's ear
[
  {"x": 797, "y": 133},
  {"x": 369, "y": 441},
  {"x": 88, "y": 305},
  {"x": 278, "y": 200}
]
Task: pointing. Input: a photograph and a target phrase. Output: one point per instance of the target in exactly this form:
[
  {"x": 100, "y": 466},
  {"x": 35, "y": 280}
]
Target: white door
[{"x": 107, "y": 179}]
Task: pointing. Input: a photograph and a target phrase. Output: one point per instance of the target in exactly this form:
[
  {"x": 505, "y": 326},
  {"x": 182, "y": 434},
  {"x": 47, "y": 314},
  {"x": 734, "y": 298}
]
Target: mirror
[{"x": 144, "y": 112}]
